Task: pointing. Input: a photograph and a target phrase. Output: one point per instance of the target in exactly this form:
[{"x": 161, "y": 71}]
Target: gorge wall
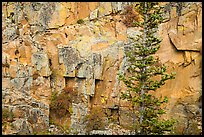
[{"x": 76, "y": 49}]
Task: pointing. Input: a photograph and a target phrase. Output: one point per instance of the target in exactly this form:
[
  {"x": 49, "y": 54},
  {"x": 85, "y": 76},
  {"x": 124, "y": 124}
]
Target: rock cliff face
[{"x": 77, "y": 48}]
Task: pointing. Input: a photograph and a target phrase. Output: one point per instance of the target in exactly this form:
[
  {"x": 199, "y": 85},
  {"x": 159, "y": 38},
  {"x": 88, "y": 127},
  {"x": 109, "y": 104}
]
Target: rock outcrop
[{"x": 49, "y": 46}]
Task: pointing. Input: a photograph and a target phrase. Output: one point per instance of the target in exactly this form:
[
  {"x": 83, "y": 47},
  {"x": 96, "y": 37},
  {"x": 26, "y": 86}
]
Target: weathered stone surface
[
  {"x": 90, "y": 86},
  {"x": 59, "y": 16},
  {"x": 98, "y": 64},
  {"x": 125, "y": 117},
  {"x": 188, "y": 34},
  {"x": 41, "y": 63},
  {"x": 121, "y": 31},
  {"x": 176, "y": 40},
  {"x": 116, "y": 6},
  {"x": 70, "y": 57},
  {"x": 9, "y": 34},
  {"x": 41, "y": 89},
  {"x": 5, "y": 83},
  {"x": 105, "y": 8},
  {"x": 22, "y": 127},
  {"x": 82, "y": 71},
  {"x": 44, "y": 50},
  {"x": 93, "y": 5},
  {"x": 79, "y": 112},
  {"x": 82, "y": 6}
]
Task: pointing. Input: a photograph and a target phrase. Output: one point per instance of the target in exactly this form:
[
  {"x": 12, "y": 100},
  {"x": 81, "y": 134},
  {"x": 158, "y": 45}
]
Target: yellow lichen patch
[
  {"x": 10, "y": 9},
  {"x": 23, "y": 61},
  {"x": 101, "y": 9},
  {"x": 102, "y": 100}
]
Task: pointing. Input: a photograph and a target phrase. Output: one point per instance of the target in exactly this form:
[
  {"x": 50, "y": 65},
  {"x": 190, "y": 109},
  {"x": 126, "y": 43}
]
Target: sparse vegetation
[
  {"x": 61, "y": 108},
  {"x": 130, "y": 16},
  {"x": 61, "y": 104}
]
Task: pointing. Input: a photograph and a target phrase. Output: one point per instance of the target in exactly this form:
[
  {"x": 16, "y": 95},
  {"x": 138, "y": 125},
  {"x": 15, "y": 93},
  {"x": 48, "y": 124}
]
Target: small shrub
[
  {"x": 130, "y": 16},
  {"x": 61, "y": 104},
  {"x": 80, "y": 21}
]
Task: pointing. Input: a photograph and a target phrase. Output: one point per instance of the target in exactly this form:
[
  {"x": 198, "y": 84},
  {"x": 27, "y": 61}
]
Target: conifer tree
[{"x": 144, "y": 75}]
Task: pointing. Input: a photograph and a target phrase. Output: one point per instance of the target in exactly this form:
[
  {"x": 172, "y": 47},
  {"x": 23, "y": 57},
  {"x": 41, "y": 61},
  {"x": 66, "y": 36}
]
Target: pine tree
[{"x": 144, "y": 75}]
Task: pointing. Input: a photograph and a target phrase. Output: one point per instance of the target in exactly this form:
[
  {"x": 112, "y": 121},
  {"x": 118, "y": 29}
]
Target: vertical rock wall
[{"x": 48, "y": 46}]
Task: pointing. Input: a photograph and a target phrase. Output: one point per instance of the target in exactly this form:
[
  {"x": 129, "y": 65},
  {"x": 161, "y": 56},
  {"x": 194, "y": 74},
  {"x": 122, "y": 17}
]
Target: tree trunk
[{"x": 143, "y": 70}]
